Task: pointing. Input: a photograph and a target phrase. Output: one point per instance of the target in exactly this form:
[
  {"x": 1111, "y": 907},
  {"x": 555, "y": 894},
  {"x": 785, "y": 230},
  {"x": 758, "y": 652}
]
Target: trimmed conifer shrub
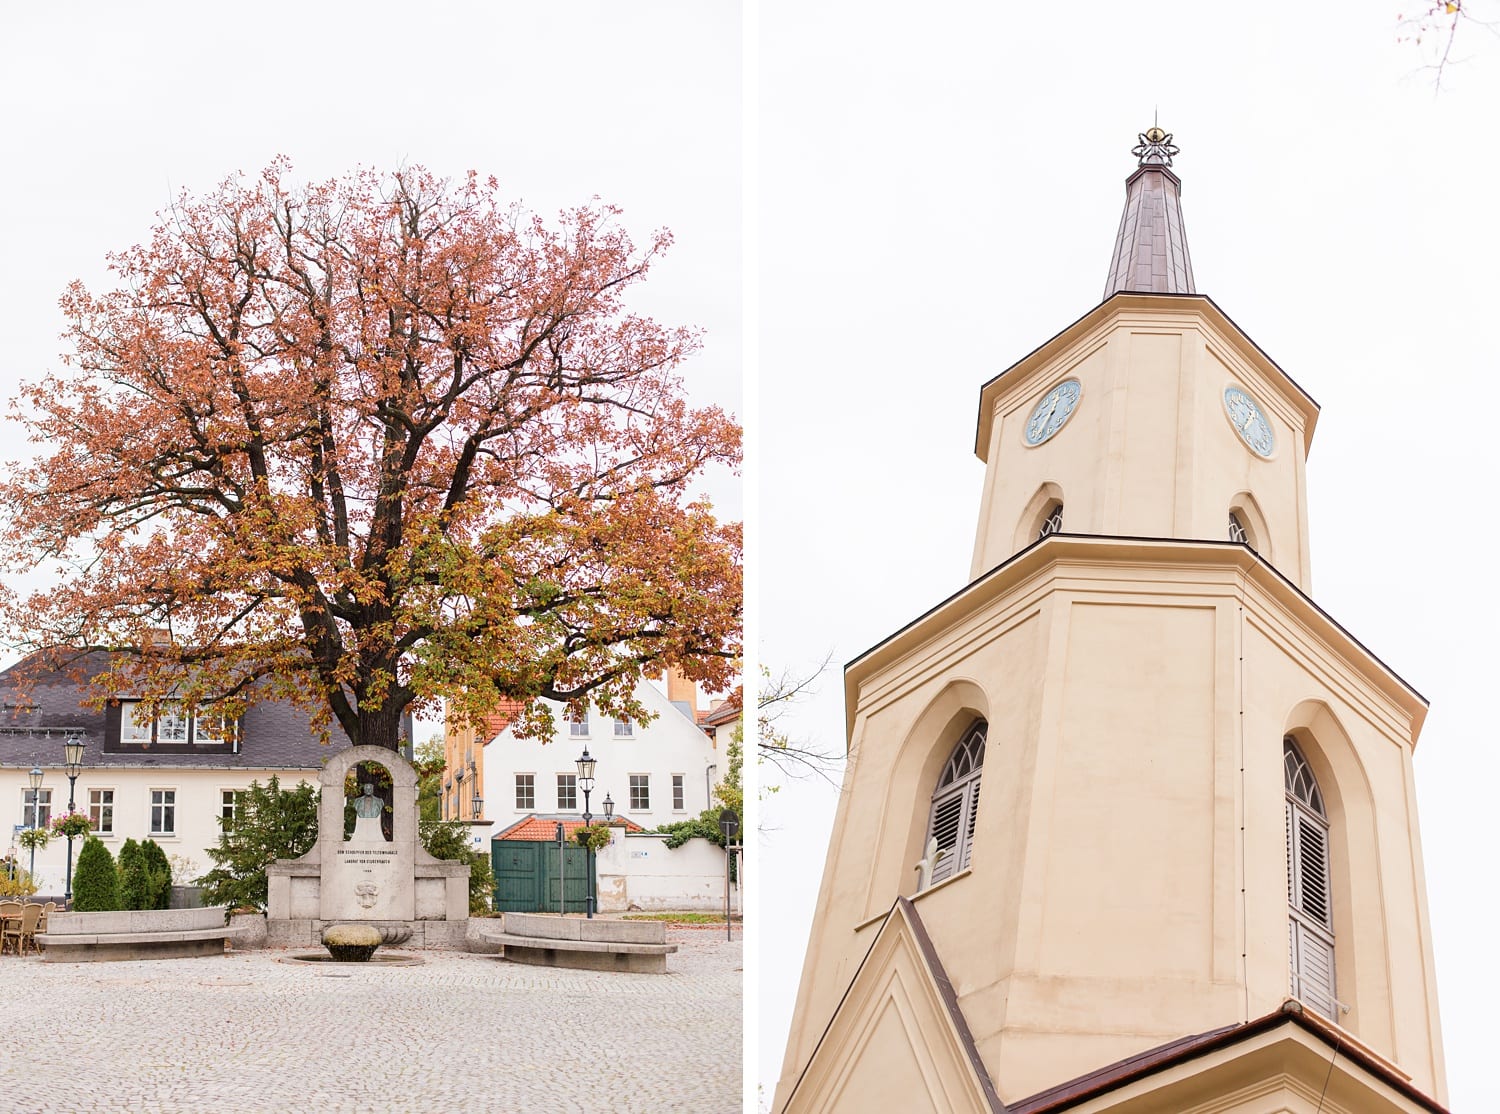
[
  {"x": 158, "y": 876},
  {"x": 131, "y": 872},
  {"x": 95, "y": 885}
]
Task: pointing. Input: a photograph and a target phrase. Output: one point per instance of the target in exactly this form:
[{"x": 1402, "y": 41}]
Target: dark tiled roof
[
  {"x": 1151, "y": 251},
  {"x": 36, "y": 717}
]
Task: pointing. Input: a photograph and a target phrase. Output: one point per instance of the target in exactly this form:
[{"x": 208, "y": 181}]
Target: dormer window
[{"x": 173, "y": 725}]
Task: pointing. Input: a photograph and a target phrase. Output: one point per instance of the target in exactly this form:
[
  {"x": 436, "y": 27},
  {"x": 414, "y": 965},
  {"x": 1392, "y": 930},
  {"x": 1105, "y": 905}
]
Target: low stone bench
[
  {"x": 590, "y": 945},
  {"x": 134, "y": 934}
]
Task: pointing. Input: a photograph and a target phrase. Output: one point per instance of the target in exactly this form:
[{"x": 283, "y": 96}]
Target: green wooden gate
[{"x": 526, "y": 876}]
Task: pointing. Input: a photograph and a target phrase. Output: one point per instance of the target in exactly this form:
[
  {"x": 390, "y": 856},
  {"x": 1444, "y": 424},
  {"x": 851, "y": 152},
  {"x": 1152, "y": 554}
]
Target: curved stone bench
[
  {"x": 590, "y": 945},
  {"x": 134, "y": 934}
]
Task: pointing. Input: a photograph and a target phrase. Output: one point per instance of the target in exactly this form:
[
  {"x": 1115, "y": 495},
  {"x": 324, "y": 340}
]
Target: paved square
[{"x": 463, "y": 1032}]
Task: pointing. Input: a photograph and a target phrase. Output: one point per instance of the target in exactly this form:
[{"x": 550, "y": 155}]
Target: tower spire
[{"x": 1151, "y": 252}]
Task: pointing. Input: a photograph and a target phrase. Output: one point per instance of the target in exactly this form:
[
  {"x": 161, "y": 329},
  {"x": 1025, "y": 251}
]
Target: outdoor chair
[
  {"x": 41, "y": 924},
  {"x": 24, "y": 931},
  {"x": 9, "y": 911}
]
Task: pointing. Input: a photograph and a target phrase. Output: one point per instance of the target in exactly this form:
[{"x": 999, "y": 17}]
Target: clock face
[
  {"x": 1249, "y": 422},
  {"x": 1055, "y": 408}
]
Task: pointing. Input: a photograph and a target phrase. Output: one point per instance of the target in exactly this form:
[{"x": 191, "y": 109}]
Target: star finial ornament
[{"x": 1155, "y": 148}]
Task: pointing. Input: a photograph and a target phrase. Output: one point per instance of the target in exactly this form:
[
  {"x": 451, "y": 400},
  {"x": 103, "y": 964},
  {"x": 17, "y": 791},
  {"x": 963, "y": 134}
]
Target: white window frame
[
  {"x": 570, "y": 783},
  {"x": 679, "y": 792},
  {"x": 192, "y": 730},
  {"x": 530, "y": 787},
  {"x": 227, "y": 808},
  {"x": 578, "y": 725},
  {"x": 161, "y": 811},
  {"x": 640, "y": 792},
  {"x": 955, "y": 804},
  {"x": 624, "y": 727},
  {"x": 36, "y": 811},
  {"x": 99, "y": 808}
]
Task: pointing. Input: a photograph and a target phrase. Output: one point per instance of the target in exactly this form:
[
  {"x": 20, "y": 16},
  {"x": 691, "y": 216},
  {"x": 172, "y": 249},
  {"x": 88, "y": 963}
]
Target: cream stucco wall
[
  {"x": 198, "y": 802},
  {"x": 1149, "y": 450},
  {"x": 1128, "y": 878}
]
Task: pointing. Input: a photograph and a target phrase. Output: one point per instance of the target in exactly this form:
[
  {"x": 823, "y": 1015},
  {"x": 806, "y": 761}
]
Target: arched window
[
  {"x": 1237, "y": 532},
  {"x": 955, "y": 804},
  {"x": 1308, "y": 889},
  {"x": 1052, "y": 524}
]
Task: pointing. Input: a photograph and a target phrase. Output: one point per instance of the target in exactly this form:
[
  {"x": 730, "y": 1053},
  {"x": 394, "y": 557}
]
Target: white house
[
  {"x": 651, "y": 774},
  {"x": 169, "y": 778}
]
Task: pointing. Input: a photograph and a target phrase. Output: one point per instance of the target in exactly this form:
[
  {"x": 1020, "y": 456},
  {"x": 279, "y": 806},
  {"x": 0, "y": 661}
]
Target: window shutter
[
  {"x": 947, "y": 816},
  {"x": 1314, "y": 971},
  {"x": 1308, "y": 888},
  {"x": 1312, "y": 871},
  {"x": 971, "y": 811}
]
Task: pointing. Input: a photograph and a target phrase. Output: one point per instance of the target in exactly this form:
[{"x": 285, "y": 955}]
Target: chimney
[{"x": 683, "y": 693}]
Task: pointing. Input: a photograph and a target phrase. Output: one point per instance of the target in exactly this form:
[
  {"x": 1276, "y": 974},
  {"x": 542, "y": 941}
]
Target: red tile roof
[
  {"x": 498, "y": 720},
  {"x": 543, "y": 829}
]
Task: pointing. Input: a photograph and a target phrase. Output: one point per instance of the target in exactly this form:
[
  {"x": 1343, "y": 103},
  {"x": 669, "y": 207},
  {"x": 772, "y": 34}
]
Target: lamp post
[
  {"x": 478, "y": 803},
  {"x": 36, "y": 809},
  {"x": 72, "y": 766},
  {"x": 586, "y": 783}
]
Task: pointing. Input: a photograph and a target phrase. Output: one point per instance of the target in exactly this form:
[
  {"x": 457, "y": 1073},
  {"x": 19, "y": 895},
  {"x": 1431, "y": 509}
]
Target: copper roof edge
[{"x": 1144, "y": 1064}]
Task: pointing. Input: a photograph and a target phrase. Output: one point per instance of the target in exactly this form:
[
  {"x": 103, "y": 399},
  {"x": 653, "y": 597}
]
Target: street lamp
[
  {"x": 586, "y": 783},
  {"x": 72, "y": 766},
  {"x": 478, "y": 806},
  {"x": 36, "y": 810},
  {"x": 609, "y": 808}
]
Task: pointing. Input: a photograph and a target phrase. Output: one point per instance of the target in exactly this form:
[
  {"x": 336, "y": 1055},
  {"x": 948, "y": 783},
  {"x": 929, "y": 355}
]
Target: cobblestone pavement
[{"x": 462, "y": 1032}]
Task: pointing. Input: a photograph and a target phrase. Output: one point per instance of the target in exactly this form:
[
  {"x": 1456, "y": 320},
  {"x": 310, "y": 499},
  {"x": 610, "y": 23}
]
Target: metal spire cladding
[{"x": 1151, "y": 252}]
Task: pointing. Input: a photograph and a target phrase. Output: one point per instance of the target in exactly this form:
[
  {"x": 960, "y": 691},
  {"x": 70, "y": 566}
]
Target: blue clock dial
[
  {"x": 1249, "y": 422},
  {"x": 1056, "y": 407}
]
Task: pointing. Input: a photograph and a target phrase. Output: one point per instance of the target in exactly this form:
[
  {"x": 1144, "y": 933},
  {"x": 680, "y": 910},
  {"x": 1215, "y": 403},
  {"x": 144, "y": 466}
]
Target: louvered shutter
[
  {"x": 971, "y": 813},
  {"x": 1308, "y": 889},
  {"x": 945, "y": 825},
  {"x": 955, "y": 805},
  {"x": 1314, "y": 971}
]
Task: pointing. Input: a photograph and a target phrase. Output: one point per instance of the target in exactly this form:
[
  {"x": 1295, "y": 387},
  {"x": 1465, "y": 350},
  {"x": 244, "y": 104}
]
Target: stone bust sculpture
[{"x": 367, "y": 810}]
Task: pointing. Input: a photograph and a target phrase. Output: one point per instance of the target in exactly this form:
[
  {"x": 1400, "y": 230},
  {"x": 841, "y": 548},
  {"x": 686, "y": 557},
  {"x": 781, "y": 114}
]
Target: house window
[
  {"x": 1052, "y": 524},
  {"x": 102, "y": 811},
  {"x": 623, "y": 728},
  {"x": 578, "y": 724},
  {"x": 955, "y": 804},
  {"x": 567, "y": 792},
  {"x": 526, "y": 791},
  {"x": 226, "y": 808},
  {"x": 640, "y": 792},
  {"x": 163, "y": 812},
  {"x": 1237, "y": 530},
  {"x": 36, "y": 808},
  {"x": 173, "y": 724},
  {"x": 679, "y": 793},
  {"x": 1308, "y": 890}
]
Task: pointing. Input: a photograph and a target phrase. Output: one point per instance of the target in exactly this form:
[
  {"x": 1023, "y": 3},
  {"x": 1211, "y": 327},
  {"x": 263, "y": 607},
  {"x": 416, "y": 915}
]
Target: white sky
[{"x": 940, "y": 189}]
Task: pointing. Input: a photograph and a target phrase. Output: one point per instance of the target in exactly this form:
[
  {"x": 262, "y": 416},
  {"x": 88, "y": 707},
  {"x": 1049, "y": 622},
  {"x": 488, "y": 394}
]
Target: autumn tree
[{"x": 368, "y": 444}]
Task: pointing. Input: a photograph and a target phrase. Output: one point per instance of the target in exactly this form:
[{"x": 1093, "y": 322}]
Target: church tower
[{"x": 1193, "y": 878}]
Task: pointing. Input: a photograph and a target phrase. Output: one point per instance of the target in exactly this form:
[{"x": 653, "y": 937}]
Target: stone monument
[{"x": 392, "y": 884}]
